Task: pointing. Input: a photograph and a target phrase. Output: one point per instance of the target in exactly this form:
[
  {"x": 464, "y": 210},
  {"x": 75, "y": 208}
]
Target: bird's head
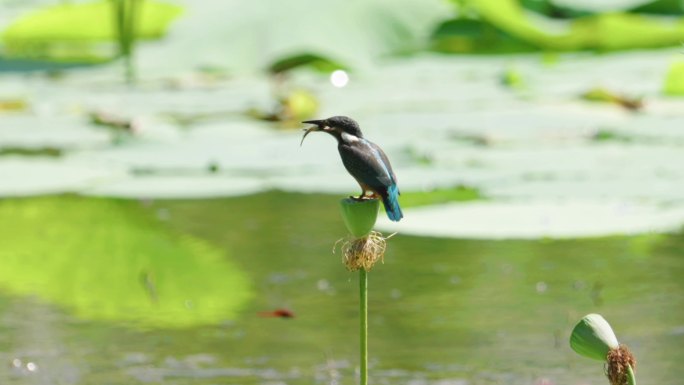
[{"x": 335, "y": 126}]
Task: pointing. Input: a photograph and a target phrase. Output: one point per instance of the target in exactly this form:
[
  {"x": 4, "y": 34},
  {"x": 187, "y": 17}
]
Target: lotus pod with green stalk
[
  {"x": 366, "y": 247},
  {"x": 361, "y": 253},
  {"x": 359, "y": 216},
  {"x": 593, "y": 338}
]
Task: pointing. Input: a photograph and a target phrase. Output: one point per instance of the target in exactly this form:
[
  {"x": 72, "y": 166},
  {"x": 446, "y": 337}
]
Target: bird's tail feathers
[{"x": 391, "y": 203}]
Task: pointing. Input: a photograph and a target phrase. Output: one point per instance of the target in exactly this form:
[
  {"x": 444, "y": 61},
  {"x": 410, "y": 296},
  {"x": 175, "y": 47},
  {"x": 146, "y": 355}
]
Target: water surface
[{"x": 442, "y": 311}]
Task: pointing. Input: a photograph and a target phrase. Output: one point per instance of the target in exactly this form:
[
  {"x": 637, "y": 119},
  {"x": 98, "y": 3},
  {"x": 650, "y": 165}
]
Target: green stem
[
  {"x": 132, "y": 7},
  {"x": 363, "y": 331},
  {"x": 631, "y": 379},
  {"x": 119, "y": 21},
  {"x": 126, "y": 15}
]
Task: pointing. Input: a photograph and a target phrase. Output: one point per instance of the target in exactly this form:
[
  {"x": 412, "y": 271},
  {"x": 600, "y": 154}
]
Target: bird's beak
[{"x": 318, "y": 125}]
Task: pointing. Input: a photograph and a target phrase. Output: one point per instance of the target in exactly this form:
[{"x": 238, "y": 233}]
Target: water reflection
[{"x": 107, "y": 260}]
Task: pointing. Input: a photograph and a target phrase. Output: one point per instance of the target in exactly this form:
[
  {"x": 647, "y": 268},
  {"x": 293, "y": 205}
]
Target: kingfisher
[{"x": 364, "y": 160}]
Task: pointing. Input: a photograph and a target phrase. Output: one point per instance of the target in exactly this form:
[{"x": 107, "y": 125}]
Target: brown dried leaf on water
[
  {"x": 603, "y": 95},
  {"x": 113, "y": 121}
]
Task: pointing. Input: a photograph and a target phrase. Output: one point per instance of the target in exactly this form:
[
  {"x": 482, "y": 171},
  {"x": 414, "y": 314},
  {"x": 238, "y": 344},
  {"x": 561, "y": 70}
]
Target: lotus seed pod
[
  {"x": 359, "y": 216},
  {"x": 593, "y": 337}
]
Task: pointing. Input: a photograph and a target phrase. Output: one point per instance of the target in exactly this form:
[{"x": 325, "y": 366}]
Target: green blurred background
[{"x": 157, "y": 211}]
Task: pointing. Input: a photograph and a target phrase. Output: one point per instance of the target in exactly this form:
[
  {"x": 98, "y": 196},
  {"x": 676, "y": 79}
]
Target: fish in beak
[{"x": 318, "y": 125}]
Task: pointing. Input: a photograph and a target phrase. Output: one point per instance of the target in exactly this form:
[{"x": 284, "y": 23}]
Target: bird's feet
[{"x": 364, "y": 196}]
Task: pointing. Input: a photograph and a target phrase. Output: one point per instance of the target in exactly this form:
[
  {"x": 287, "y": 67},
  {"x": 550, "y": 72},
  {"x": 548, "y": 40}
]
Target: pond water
[{"x": 442, "y": 311}]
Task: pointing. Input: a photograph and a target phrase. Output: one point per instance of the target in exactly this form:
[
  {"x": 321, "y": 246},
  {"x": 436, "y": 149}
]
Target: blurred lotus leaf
[
  {"x": 472, "y": 35},
  {"x": 663, "y": 7},
  {"x": 312, "y": 61},
  {"x": 552, "y": 9},
  {"x": 619, "y": 31},
  {"x": 109, "y": 260},
  {"x": 52, "y": 152},
  {"x": 507, "y": 27},
  {"x": 674, "y": 81},
  {"x": 351, "y": 34},
  {"x": 75, "y": 31}
]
